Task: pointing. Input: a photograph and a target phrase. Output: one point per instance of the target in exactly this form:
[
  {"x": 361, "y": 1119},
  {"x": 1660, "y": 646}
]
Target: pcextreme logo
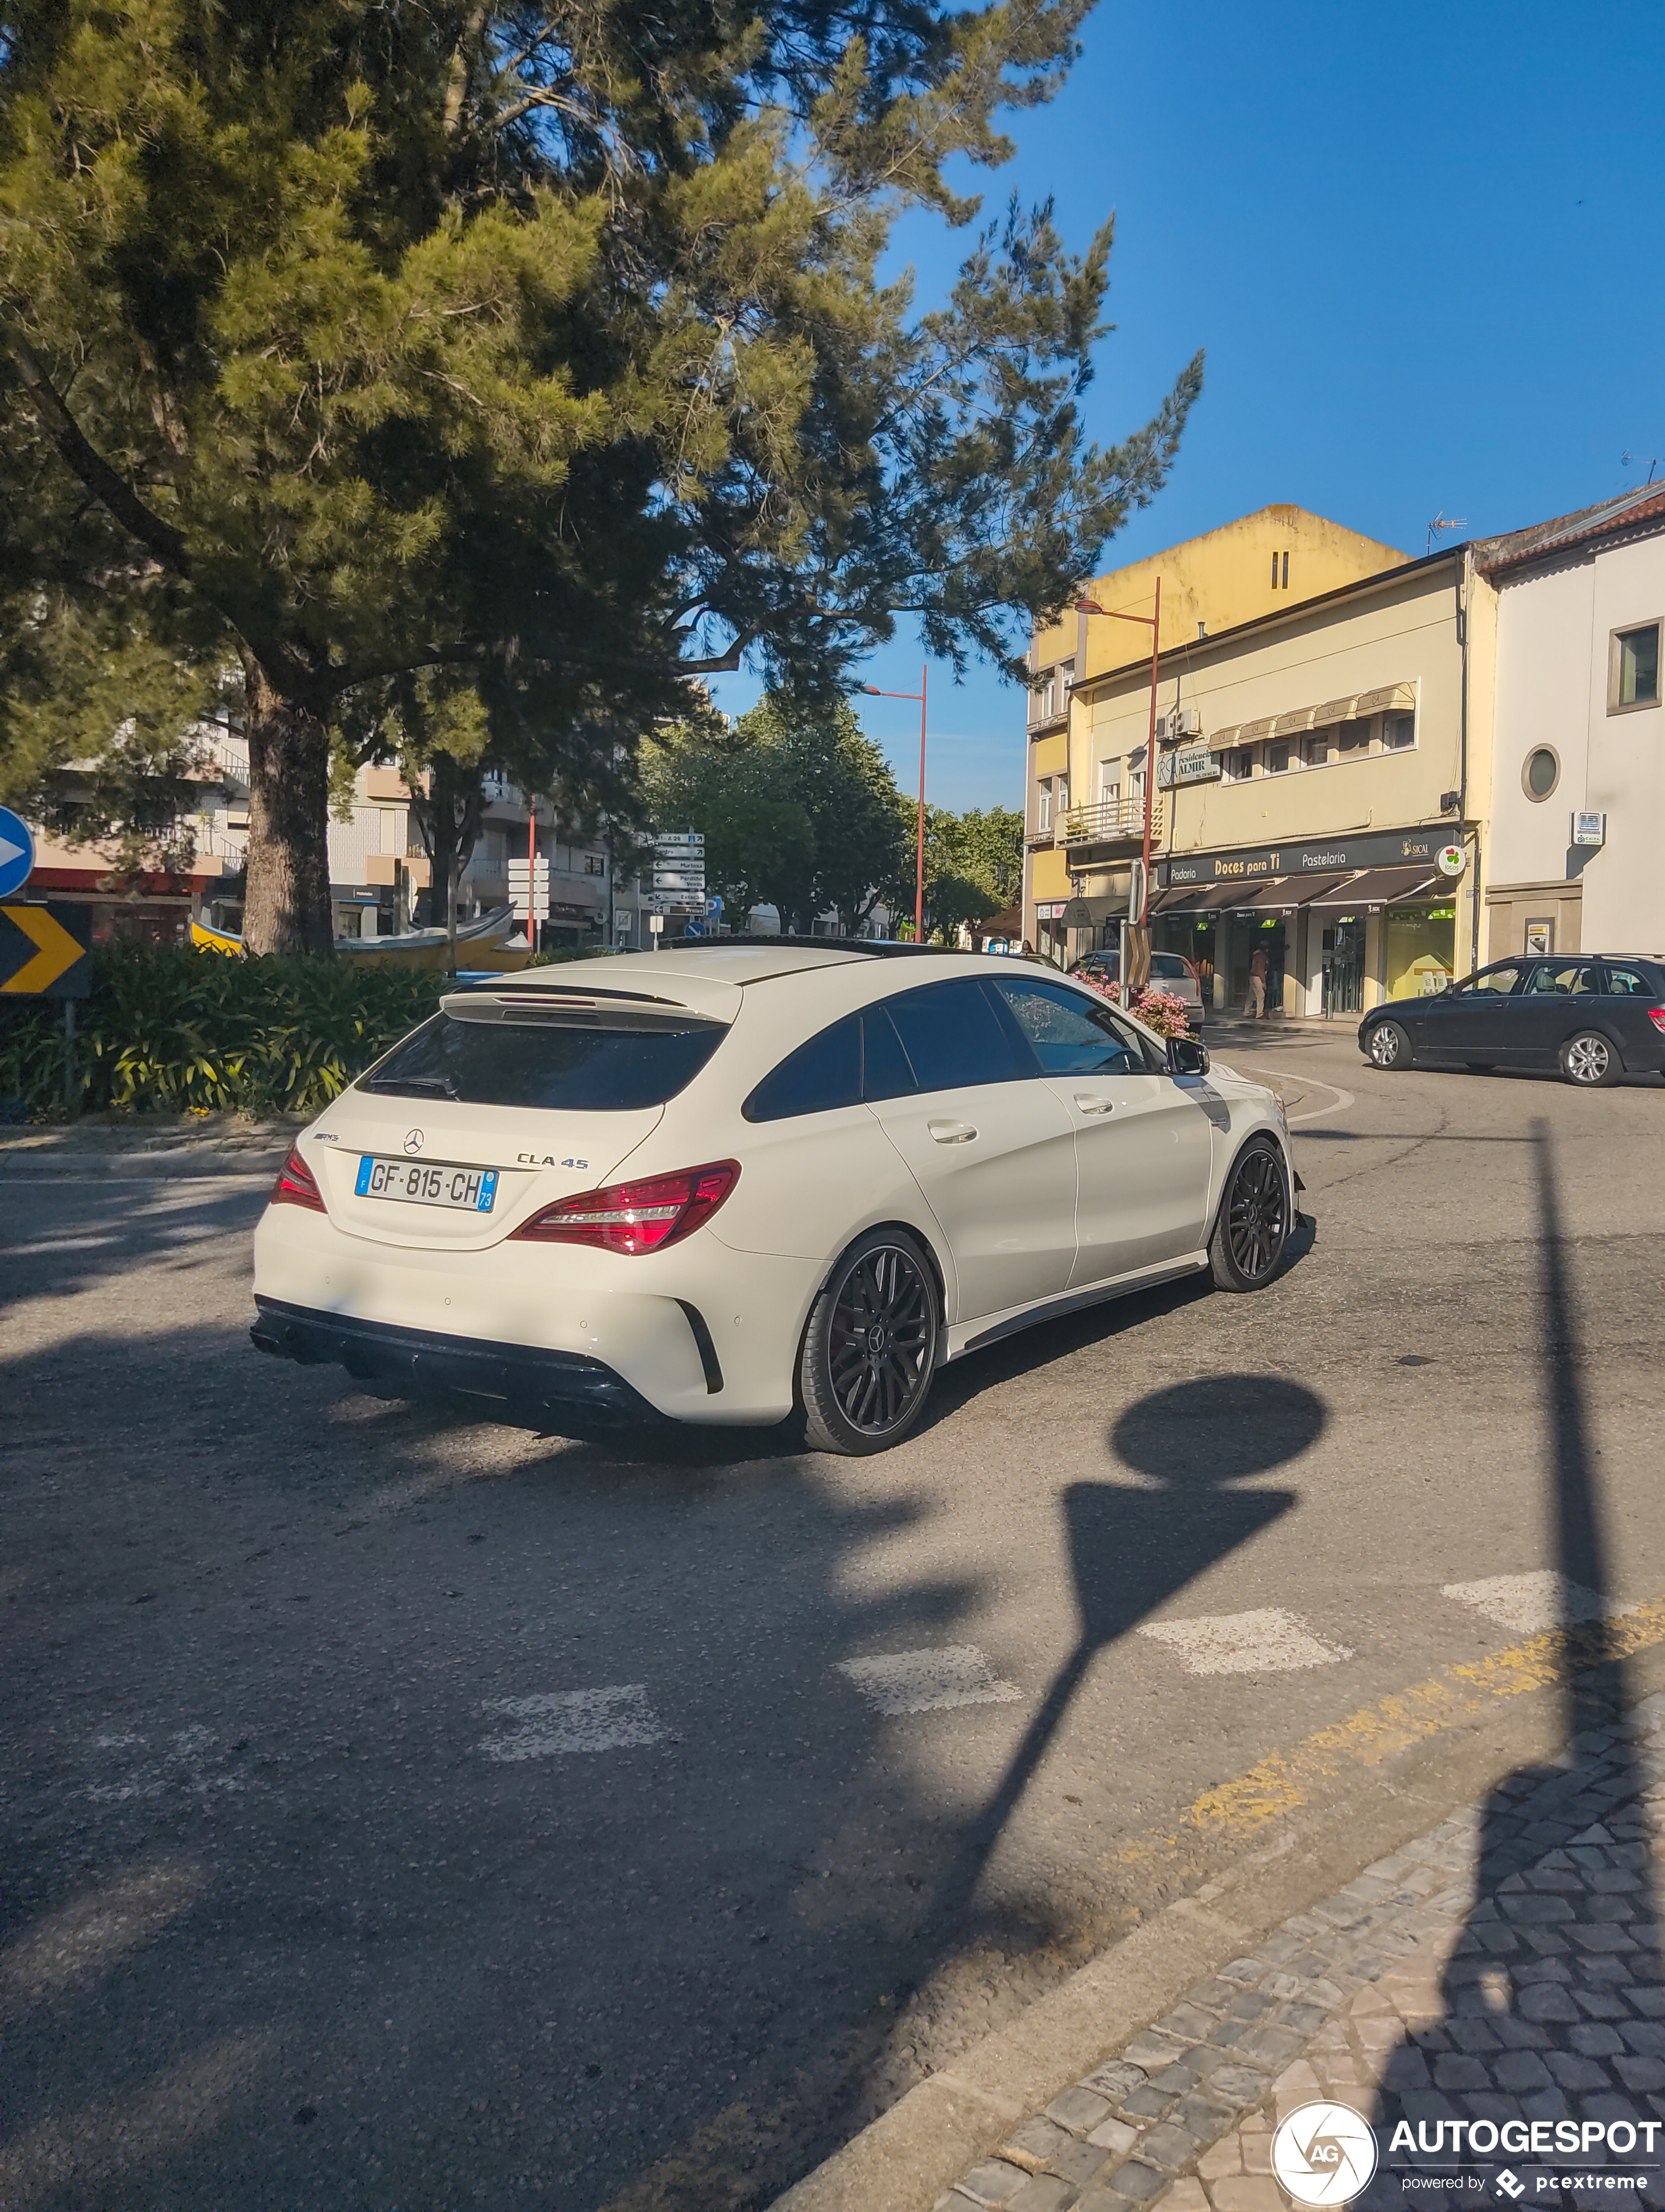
[{"x": 1324, "y": 2154}]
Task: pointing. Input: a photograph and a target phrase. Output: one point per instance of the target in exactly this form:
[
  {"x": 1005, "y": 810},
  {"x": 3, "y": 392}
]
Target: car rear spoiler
[{"x": 576, "y": 1009}]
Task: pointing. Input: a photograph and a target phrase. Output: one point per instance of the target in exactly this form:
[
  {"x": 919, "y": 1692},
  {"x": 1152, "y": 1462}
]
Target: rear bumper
[{"x": 533, "y": 1384}]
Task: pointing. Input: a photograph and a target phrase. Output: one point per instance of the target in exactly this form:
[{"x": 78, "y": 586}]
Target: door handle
[
  {"x": 1089, "y": 1102},
  {"x": 951, "y": 1133}
]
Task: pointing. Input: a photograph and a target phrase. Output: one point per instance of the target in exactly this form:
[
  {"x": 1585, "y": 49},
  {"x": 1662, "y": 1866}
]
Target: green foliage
[
  {"x": 180, "y": 1030},
  {"x": 798, "y": 809},
  {"x": 340, "y": 341}
]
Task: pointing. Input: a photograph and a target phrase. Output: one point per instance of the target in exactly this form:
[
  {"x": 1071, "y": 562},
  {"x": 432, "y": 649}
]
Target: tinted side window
[
  {"x": 1067, "y": 1033},
  {"x": 824, "y": 1073},
  {"x": 884, "y": 1069},
  {"x": 953, "y": 1036},
  {"x": 1561, "y": 979},
  {"x": 1493, "y": 982},
  {"x": 1629, "y": 983}
]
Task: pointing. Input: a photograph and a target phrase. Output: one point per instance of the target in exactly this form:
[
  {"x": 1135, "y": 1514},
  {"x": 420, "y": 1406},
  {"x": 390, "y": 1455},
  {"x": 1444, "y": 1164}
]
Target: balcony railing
[{"x": 1112, "y": 821}]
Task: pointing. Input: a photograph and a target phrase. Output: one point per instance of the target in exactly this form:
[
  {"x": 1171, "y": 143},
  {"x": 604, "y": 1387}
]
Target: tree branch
[{"x": 79, "y": 455}]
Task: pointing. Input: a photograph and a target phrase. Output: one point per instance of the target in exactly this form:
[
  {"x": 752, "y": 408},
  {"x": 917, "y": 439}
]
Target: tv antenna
[
  {"x": 1440, "y": 523},
  {"x": 1626, "y": 461}
]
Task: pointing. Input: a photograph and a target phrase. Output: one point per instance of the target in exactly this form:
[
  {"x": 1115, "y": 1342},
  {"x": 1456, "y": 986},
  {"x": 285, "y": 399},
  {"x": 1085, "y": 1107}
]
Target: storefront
[{"x": 1343, "y": 924}]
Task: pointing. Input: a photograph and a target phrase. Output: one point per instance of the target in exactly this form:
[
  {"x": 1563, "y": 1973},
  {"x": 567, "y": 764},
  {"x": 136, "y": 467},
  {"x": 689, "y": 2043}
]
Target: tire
[
  {"x": 1389, "y": 1046},
  {"x": 1253, "y": 1224},
  {"x": 1591, "y": 1060},
  {"x": 860, "y": 1394}
]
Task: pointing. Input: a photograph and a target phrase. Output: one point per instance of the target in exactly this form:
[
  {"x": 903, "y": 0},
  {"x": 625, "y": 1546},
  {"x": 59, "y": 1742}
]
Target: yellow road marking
[{"x": 1237, "y": 1810}]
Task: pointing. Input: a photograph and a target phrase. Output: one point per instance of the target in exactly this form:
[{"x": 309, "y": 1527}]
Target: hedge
[{"x": 178, "y": 1029}]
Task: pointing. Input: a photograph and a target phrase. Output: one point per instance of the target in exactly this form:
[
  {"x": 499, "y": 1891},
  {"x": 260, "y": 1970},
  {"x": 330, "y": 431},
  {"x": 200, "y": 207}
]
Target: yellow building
[
  {"x": 1322, "y": 768},
  {"x": 1255, "y": 566}
]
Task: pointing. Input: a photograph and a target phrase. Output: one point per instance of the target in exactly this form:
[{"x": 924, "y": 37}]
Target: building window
[
  {"x": 1542, "y": 774},
  {"x": 1062, "y": 792},
  {"x": 1277, "y": 760},
  {"x": 1633, "y": 668},
  {"x": 1315, "y": 750},
  {"x": 1276, "y": 559},
  {"x": 1398, "y": 732},
  {"x": 1110, "y": 783},
  {"x": 1352, "y": 738},
  {"x": 594, "y": 865},
  {"x": 1239, "y": 766},
  {"x": 1043, "y": 804}
]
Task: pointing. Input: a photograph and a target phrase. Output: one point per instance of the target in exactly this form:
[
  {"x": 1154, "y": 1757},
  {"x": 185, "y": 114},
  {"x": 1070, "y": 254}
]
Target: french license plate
[{"x": 436, "y": 1182}]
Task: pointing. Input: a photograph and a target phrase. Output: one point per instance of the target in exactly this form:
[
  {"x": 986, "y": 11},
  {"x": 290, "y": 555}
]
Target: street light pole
[{"x": 873, "y": 692}]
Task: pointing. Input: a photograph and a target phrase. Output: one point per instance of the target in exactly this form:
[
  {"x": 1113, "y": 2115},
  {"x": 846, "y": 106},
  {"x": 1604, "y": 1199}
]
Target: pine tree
[{"x": 342, "y": 343}]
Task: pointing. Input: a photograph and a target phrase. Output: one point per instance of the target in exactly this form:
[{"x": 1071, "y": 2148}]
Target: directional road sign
[
  {"x": 16, "y": 851},
  {"x": 693, "y": 928},
  {"x": 677, "y": 841},
  {"x": 43, "y": 950}
]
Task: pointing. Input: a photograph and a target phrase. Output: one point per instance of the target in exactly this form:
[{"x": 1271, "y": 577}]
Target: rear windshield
[{"x": 548, "y": 1064}]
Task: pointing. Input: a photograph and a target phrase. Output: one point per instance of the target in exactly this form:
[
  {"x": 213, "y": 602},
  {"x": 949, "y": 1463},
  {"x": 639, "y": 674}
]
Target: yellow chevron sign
[{"x": 43, "y": 950}]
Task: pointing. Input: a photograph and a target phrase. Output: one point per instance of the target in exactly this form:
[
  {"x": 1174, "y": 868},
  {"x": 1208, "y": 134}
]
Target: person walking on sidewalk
[{"x": 1259, "y": 968}]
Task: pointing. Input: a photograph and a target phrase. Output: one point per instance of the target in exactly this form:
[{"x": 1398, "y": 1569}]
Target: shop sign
[
  {"x": 1589, "y": 829},
  {"x": 1191, "y": 764},
  {"x": 1450, "y": 860},
  {"x": 1396, "y": 848}
]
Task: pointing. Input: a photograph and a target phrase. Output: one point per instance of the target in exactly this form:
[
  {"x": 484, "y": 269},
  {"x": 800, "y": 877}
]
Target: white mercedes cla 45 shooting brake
[{"x": 727, "y": 1183}]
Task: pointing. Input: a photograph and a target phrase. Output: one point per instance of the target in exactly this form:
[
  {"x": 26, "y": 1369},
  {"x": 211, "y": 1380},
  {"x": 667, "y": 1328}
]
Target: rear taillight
[
  {"x": 1656, "y": 1016},
  {"x": 297, "y": 1186},
  {"x": 635, "y": 1216}
]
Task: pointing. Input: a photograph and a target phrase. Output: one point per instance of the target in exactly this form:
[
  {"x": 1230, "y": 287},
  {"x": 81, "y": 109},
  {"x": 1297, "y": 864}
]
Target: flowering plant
[{"x": 1159, "y": 1010}]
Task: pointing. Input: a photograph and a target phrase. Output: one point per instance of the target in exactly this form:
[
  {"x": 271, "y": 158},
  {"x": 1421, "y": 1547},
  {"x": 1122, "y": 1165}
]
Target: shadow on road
[{"x": 1552, "y": 1997}]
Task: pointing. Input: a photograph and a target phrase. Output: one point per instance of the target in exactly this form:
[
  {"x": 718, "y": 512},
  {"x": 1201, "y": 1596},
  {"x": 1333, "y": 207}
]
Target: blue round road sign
[{"x": 17, "y": 853}]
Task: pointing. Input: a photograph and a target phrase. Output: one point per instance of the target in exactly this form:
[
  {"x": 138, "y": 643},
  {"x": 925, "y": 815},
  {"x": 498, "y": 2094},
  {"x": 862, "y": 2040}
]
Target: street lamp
[
  {"x": 873, "y": 692},
  {"x": 1152, "y": 621}
]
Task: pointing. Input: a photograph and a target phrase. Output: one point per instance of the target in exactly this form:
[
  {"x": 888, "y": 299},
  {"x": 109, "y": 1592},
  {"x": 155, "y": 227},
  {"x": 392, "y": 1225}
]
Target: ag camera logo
[{"x": 1324, "y": 2154}]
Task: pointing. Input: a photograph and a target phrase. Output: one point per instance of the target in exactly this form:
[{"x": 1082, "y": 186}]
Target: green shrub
[{"x": 178, "y": 1029}]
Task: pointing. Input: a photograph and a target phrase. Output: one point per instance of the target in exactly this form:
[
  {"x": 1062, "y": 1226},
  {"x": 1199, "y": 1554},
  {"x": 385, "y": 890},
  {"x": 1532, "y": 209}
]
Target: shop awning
[
  {"x": 1352, "y": 706},
  {"x": 1198, "y": 898},
  {"x": 1289, "y": 893},
  {"x": 1384, "y": 887}
]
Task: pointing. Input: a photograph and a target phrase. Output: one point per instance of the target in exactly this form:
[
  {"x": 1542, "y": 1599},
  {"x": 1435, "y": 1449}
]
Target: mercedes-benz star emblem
[{"x": 413, "y": 1140}]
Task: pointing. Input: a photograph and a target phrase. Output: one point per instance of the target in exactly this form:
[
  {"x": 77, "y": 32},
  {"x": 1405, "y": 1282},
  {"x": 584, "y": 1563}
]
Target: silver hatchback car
[{"x": 1169, "y": 971}]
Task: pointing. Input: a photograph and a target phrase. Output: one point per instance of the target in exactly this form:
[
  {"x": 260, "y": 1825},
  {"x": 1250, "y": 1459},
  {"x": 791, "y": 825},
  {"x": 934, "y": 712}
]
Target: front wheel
[
  {"x": 1589, "y": 1060},
  {"x": 1253, "y": 1224},
  {"x": 870, "y": 1346},
  {"x": 1389, "y": 1045}
]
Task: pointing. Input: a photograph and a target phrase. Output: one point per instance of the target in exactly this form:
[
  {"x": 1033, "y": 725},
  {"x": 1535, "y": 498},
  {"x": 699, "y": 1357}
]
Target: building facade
[
  {"x": 1258, "y": 565},
  {"x": 1578, "y": 751}
]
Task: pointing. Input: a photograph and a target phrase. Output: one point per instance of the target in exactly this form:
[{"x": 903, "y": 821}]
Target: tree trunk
[{"x": 287, "y": 907}]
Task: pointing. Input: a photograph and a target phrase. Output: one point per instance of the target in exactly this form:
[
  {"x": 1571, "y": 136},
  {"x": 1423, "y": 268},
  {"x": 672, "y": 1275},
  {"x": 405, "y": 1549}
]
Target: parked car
[
  {"x": 1594, "y": 1016},
  {"x": 1169, "y": 971},
  {"x": 721, "y": 1182}
]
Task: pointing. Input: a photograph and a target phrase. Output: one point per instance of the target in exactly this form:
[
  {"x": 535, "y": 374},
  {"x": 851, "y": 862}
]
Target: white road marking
[
  {"x": 1530, "y": 1603},
  {"x": 926, "y": 1681},
  {"x": 1343, "y": 1099},
  {"x": 187, "y": 1762},
  {"x": 1269, "y": 1641},
  {"x": 574, "y": 1720}
]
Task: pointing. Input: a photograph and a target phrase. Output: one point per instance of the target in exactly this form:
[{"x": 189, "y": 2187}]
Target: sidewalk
[
  {"x": 129, "y": 1146},
  {"x": 1505, "y": 1965}
]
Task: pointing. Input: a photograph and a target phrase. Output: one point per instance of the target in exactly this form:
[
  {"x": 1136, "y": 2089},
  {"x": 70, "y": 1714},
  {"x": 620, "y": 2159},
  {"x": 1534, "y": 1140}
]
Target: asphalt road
[{"x": 407, "y": 1812}]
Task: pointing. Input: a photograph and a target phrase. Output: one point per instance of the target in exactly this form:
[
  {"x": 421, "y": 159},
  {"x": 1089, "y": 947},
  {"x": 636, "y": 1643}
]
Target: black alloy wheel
[
  {"x": 870, "y": 1347},
  {"x": 1253, "y": 1223}
]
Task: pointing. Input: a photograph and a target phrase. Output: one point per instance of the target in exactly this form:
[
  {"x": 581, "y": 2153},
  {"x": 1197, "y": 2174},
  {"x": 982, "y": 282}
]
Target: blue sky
[{"x": 1419, "y": 247}]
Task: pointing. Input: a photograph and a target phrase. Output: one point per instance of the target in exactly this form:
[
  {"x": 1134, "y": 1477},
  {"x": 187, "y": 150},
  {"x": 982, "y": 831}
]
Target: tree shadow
[{"x": 1554, "y": 1994}]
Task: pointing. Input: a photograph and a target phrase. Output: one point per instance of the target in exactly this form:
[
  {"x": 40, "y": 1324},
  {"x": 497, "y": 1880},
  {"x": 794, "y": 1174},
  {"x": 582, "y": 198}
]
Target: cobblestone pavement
[{"x": 1503, "y": 1967}]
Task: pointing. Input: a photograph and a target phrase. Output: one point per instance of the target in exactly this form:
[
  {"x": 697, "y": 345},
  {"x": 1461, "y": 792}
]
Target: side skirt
[{"x": 1070, "y": 1302}]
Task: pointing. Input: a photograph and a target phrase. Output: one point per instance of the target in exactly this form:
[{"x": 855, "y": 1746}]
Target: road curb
[{"x": 908, "y": 2157}]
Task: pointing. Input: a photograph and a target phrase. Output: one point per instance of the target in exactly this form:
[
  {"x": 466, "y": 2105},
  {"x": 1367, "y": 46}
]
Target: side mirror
[{"x": 1187, "y": 1057}]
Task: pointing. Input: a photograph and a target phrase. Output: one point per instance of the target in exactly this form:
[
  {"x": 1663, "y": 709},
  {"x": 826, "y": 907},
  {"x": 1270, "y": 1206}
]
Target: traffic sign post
[
  {"x": 16, "y": 851},
  {"x": 45, "y": 954}
]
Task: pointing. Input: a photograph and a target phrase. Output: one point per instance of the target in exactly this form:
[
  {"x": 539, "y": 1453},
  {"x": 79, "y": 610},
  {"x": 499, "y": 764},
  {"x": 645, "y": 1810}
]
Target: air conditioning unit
[{"x": 1183, "y": 722}]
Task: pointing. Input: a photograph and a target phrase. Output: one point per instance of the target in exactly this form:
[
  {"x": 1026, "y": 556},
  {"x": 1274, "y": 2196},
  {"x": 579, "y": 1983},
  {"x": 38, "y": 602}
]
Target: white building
[{"x": 1578, "y": 751}]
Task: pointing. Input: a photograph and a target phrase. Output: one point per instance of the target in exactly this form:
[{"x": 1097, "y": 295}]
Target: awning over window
[
  {"x": 1383, "y": 887},
  {"x": 1198, "y": 898},
  {"x": 1386, "y": 699}
]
